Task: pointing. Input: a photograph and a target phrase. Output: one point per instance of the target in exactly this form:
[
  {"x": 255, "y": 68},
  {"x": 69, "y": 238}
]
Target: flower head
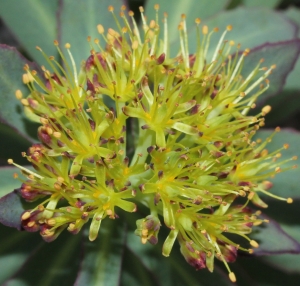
[{"x": 194, "y": 153}]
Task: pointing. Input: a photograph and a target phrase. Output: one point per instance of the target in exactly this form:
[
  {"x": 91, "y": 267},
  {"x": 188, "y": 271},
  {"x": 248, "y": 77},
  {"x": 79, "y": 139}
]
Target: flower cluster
[{"x": 138, "y": 125}]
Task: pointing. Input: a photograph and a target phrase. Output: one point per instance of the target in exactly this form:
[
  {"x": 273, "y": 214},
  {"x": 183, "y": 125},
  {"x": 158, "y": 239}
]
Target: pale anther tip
[
  {"x": 18, "y": 94},
  {"x": 67, "y": 46},
  {"x": 266, "y": 109},
  {"x": 232, "y": 277},
  {"x": 289, "y": 200},
  {"x": 10, "y": 161},
  {"x": 25, "y": 215},
  {"x": 100, "y": 29},
  {"x": 229, "y": 28},
  {"x": 254, "y": 243},
  {"x": 111, "y": 8}
]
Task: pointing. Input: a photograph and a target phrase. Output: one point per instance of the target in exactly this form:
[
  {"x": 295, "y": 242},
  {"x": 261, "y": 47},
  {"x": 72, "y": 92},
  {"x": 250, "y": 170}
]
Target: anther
[
  {"x": 18, "y": 94},
  {"x": 266, "y": 109},
  {"x": 100, "y": 29},
  {"x": 232, "y": 277},
  {"x": 254, "y": 243},
  {"x": 289, "y": 200},
  {"x": 25, "y": 215}
]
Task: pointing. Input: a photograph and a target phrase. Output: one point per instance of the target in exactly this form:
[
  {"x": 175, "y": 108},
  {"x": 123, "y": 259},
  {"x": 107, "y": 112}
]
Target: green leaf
[
  {"x": 293, "y": 13},
  {"x": 259, "y": 3},
  {"x": 286, "y": 184},
  {"x": 79, "y": 19},
  {"x": 11, "y": 209},
  {"x": 7, "y": 182},
  {"x": 192, "y": 8},
  {"x": 16, "y": 248},
  {"x": 11, "y": 71},
  {"x": 13, "y": 151},
  {"x": 102, "y": 258},
  {"x": 293, "y": 79},
  {"x": 273, "y": 239},
  {"x": 136, "y": 273},
  {"x": 33, "y": 22},
  {"x": 251, "y": 27},
  {"x": 288, "y": 263},
  {"x": 54, "y": 263},
  {"x": 283, "y": 54},
  {"x": 291, "y": 93},
  {"x": 263, "y": 274}
]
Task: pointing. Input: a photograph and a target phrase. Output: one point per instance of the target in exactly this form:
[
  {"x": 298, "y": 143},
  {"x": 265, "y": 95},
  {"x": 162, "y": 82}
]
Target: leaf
[
  {"x": 288, "y": 263},
  {"x": 293, "y": 79},
  {"x": 54, "y": 263},
  {"x": 286, "y": 184},
  {"x": 263, "y": 274},
  {"x": 283, "y": 54},
  {"x": 102, "y": 259},
  {"x": 33, "y": 22},
  {"x": 284, "y": 107},
  {"x": 11, "y": 71},
  {"x": 11, "y": 209},
  {"x": 16, "y": 248},
  {"x": 9, "y": 150},
  {"x": 259, "y": 3},
  {"x": 293, "y": 13},
  {"x": 136, "y": 273},
  {"x": 7, "y": 181},
  {"x": 79, "y": 19},
  {"x": 192, "y": 8},
  {"x": 251, "y": 27},
  {"x": 273, "y": 239},
  {"x": 291, "y": 94}
]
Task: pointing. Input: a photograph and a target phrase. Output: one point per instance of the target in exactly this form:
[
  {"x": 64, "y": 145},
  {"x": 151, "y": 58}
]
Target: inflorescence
[{"x": 188, "y": 155}]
